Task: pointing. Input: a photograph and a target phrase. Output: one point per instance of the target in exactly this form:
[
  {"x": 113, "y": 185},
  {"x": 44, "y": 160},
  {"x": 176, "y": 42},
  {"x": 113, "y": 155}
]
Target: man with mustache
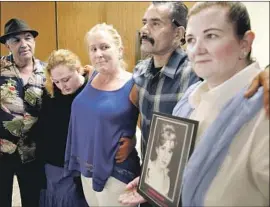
[
  {"x": 21, "y": 81},
  {"x": 162, "y": 79}
]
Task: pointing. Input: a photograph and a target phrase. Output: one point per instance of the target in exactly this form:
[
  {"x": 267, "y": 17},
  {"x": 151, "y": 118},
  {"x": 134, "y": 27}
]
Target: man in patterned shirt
[{"x": 21, "y": 81}]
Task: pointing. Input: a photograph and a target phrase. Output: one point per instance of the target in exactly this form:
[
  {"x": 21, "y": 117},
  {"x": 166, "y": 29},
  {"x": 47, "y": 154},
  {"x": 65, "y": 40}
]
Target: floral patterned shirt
[{"x": 20, "y": 105}]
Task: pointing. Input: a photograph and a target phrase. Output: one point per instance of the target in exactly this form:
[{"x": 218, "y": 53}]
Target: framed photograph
[{"x": 170, "y": 144}]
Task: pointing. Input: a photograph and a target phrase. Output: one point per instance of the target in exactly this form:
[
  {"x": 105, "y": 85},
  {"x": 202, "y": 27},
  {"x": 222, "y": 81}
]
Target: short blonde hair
[
  {"x": 60, "y": 57},
  {"x": 113, "y": 33}
]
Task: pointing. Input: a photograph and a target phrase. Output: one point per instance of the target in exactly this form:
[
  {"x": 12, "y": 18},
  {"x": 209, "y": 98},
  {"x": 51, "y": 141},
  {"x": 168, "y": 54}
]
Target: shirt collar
[
  {"x": 38, "y": 65},
  {"x": 222, "y": 93},
  {"x": 170, "y": 68}
]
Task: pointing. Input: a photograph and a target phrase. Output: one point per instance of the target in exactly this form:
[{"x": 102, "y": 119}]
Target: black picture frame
[{"x": 163, "y": 187}]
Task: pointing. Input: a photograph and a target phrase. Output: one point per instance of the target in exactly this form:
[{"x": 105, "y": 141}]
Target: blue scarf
[{"x": 212, "y": 149}]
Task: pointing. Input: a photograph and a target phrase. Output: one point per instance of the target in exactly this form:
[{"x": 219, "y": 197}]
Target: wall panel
[
  {"x": 126, "y": 17},
  {"x": 68, "y": 22},
  {"x": 39, "y": 16},
  {"x": 74, "y": 20}
]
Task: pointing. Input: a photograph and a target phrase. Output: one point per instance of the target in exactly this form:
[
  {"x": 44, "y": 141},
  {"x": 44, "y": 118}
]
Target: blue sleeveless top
[{"x": 98, "y": 120}]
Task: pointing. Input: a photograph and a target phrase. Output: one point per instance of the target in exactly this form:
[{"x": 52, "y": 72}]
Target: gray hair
[{"x": 179, "y": 12}]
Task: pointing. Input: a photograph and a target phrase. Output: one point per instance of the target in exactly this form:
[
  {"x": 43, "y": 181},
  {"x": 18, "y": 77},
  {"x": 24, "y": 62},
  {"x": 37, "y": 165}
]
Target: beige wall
[
  {"x": 259, "y": 15},
  {"x": 64, "y": 24},
  {"x": 122, "y": 15}
]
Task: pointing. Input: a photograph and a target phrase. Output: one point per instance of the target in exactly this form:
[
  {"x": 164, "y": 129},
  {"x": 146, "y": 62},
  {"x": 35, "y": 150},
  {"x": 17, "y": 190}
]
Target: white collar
[{"x": 225, "y": 91}]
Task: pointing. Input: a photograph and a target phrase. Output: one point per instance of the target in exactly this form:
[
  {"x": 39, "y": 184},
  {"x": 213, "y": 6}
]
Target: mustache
[{"x": 149, "y": 39}]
